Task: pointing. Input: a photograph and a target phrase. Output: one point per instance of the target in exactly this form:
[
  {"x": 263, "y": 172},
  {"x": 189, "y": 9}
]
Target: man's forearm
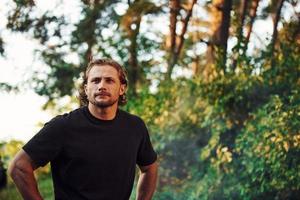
[
  {"x": 146, "y": 185},
  {"x": 26, "y": 184}
]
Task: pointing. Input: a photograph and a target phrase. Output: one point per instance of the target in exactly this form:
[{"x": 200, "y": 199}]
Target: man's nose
[{"x": 101, "y": 85}]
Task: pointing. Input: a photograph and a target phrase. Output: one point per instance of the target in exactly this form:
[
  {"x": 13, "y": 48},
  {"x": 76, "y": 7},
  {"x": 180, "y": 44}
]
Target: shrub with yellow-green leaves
[{"x": 269, "y": 150}]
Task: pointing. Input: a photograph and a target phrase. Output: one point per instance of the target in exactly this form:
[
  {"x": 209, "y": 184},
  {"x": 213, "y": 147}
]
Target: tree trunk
[
  {"x": 221, "y": 34},
  {"x": 174, "y": 12},
  {"x": 185, "y": 25},
  {"x": 133, "y": 62},
  {"x": 177, "y": 42},
  {"x": 91, "y": 41},
  {"x": 225, "y": 29},
  {"x": 240, "y": 34},
  {"x": 130, "y": 22},
  {"x": 252, "y": 13},
  {"x": 275, "y": 31}
]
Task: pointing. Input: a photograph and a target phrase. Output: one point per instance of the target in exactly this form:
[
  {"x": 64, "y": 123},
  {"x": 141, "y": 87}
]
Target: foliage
[
  {"x": 8, "y": 150},
  {"x": 238, "y": 124},
  {"x": 8, "y": 88},
  {"x": 222, "y": 133},
  {"x": 267, "y": 148}
]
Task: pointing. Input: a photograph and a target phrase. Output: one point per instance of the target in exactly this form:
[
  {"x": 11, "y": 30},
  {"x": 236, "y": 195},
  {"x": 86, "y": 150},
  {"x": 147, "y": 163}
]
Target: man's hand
[
  {"x": 21, "y": 171},
  {"x": 147, "y": 182}
]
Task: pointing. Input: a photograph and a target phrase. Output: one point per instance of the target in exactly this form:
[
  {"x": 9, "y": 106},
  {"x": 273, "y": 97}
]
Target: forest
[{"x": 219, "y": 93}]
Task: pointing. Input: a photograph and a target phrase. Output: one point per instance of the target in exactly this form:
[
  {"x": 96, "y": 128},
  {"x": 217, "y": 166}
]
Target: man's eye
[
  {"x": 109, "y": 80},
  {"x": 96, "y": 81}
]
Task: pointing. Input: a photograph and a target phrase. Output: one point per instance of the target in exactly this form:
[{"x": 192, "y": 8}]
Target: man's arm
[
  {"x": 147, "y": 182},
  {"x": 21, "y": 171}
]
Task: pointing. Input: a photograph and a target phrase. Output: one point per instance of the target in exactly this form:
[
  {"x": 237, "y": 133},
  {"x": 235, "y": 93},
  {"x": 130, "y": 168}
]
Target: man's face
[{"x": 103, "y": 86}]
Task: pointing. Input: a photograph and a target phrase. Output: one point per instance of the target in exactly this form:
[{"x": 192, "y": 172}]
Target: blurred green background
[{"x": 217, "y": 83}]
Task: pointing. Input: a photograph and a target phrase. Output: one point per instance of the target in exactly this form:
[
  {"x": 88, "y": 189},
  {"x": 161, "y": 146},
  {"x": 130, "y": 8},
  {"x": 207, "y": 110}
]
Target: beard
[{"x": 102, "y": 104}]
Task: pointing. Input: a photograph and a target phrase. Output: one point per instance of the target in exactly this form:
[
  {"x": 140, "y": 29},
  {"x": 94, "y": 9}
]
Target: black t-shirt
[{"x": 91, "y": 158}]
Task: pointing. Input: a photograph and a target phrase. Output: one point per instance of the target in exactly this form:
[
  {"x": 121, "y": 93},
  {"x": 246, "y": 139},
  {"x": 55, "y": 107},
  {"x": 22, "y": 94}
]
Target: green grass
[
  {"x": 10, "y": 193},
  {"x": 45, "y": 187},
  {"x": 44, "y": 184}
]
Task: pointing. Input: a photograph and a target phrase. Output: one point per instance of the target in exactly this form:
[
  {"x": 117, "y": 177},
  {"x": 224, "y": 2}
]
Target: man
[{"x": 93, "y": 150}]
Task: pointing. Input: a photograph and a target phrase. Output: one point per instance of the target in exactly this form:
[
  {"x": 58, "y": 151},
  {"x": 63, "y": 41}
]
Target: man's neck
[{"x": 107, "y": 113}]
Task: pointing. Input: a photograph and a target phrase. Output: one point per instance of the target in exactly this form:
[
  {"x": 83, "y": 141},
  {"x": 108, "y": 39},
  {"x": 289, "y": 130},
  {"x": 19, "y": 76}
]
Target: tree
[
  {"x": 131, "y": 24},
  {"x": 240, "y": 36},
  {"x": 252, "y": 13},
  {"x": 176, "y": 41},
  {"x": 275, "y": 32},
  {"x": 217, "y": 50}
]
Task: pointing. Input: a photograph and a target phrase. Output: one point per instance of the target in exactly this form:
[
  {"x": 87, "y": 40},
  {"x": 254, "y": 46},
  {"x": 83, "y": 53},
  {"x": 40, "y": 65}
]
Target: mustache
[{"x": 103, "y": 93}]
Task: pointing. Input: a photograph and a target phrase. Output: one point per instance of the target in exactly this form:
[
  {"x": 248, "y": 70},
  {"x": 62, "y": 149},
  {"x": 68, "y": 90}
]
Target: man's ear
[
  {"x": 85, "y": 89},
  {"x": 122, "y": 89}
]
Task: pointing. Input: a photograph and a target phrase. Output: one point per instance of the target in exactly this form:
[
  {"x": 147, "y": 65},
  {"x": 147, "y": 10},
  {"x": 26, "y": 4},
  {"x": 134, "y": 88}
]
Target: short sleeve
[
  {"x": 47, "y": 143},
  {"x": 146, "y": 153}
]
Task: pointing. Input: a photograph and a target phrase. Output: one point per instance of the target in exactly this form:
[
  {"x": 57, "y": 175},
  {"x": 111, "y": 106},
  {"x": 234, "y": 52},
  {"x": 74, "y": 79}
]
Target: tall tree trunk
[
  {"x": 130, "y": 22},
  {"x": 243, "y": 12},
  {"x": 216, "y": 20},
  {"x": 252, "y": 13},
  {"x": 174, "y": 12},
  {"x": 224, "y": 32},
  {"x": 177, "y": 41},
  {"x": 221, "y": 33},
  {"x": 133, "y": 62},
  {"x": 184, "y": 28},
  {"x": 90, "y": 38},
  {"x": 275, "y": 31}
]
